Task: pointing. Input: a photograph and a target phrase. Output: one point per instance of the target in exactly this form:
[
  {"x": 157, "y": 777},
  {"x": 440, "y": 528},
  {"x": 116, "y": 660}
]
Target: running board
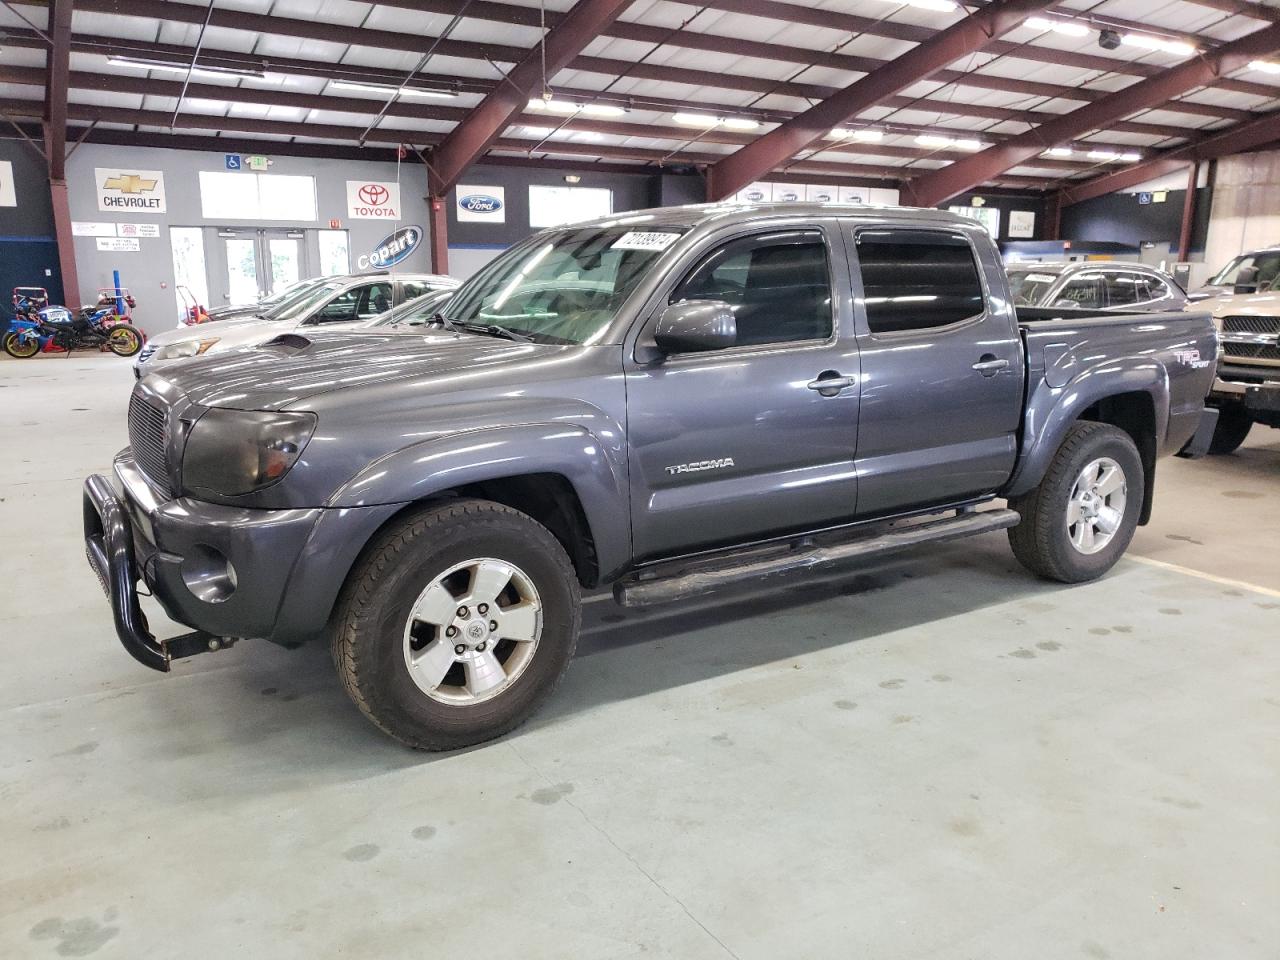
[{"x": 804, "y": 556}]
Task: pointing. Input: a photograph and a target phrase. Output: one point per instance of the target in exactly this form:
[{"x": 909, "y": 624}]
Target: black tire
[
  {"x": 124, "y": 340},
  {"x": 20, "y": 348},
  {"x": 368, "y": 640},
  {"x": 1042, "y": 541},
  {"x": 1234, "y": 424}
]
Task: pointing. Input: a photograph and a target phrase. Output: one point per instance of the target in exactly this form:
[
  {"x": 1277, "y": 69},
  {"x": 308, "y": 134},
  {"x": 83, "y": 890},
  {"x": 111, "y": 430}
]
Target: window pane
[
  {"x": 188, "y": 267},
  {"x": 1122, "y": 288},
  {"x": 283, "y": 197},
  {"x": 228, "y": 196},
  {"x": 777, "y": 284},
  {"x": 554, "y": 206},
  {"x": 335, "y": 257},
  {"x": 1083, "y": 291},
  {"x": 913, "y": 280}
]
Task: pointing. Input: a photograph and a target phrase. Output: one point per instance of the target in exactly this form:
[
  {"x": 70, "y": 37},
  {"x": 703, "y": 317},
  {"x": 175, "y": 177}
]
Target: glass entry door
[{"x": 256, "y": 263}]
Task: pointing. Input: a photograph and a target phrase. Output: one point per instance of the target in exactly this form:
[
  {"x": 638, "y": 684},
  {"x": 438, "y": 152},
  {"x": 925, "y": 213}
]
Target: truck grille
[
  {"x": 1251, "y": 351},
  {"x": 1251, "y": 324},
  {"x": 147, "y": 437}
]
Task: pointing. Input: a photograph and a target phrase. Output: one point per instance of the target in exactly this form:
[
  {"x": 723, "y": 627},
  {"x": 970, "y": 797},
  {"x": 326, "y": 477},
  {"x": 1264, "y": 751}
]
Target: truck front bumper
[{"x": 226, "y": 572}]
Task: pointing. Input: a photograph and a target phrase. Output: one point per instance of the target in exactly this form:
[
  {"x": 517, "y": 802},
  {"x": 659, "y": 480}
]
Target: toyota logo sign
[
  {"x": 374, "y": 194},
  {"x": 371, "y": 200}
]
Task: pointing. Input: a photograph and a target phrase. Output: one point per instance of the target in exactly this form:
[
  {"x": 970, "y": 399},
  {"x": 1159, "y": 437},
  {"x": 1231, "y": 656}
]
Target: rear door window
[
  {"x": 1084, "y": 291},
  {"x": 1125, "y": 288},
  {"x": 917, "y": 279}
]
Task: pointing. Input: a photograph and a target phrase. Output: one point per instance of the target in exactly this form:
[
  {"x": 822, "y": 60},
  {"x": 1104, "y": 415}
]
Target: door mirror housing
[
  {"x": 695, "y": 326},
  {"x": 1246, "y": 280}
]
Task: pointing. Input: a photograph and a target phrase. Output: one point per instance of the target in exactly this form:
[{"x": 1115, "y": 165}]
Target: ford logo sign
[
  {"x": 480, "y": 203},
  {"x": 391, "y": 250}
]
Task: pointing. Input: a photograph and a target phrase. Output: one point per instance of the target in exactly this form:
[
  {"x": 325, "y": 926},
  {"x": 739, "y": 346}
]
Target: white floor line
[{"x": 1212, "y": 578}]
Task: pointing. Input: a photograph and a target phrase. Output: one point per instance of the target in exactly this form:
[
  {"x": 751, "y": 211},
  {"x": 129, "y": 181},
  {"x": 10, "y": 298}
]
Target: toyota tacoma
[{"x": 667, "y": 402}]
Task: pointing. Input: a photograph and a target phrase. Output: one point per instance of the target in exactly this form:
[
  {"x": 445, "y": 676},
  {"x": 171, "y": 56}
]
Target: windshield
[
  {"x": 1030, "y": 286},
  {"x": 414, "y": 312},
  {"x": 566, "y": 286},
  {"x": 1268, "y": 265},
  {"x": 303, "y": 300},
  {"x": 292, "y": 290}
]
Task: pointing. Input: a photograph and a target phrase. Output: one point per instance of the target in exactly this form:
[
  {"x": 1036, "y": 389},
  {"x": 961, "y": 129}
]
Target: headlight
[
  {"x": 187, "y": 348},
  {"x": 232, "y": 452}
]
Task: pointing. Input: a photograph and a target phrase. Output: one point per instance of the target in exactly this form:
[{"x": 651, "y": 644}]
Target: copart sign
[
  {"x": 391, "y": 250},
  {"x": 373, "y": 200},
  {"x": 130, "y": 191}
]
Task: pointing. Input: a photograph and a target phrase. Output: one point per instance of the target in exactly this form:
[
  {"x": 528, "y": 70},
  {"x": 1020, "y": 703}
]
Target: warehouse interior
[{"x": 923, "y": 750}]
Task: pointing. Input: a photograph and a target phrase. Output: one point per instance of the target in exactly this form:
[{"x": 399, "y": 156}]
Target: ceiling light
[
  {"x": 384, "y": 89},
  {"x": 1148, "y": 42},
  {"x": 169, "y": 66},
  {"x": 865, "y": 134},
  {"x": 739, "y": 123},
  {"x": 944, "y": 6},
  {"x": 695, "y": 119},
  {"x": 1070, "y": 28},
  {"x": 569, "y": 108},
  {"x": 1264, "y": 66},
  {"x": 603, "y": 110},
  {"x": 539, "y": 132},
  {"x": 934, "y": 140},
  {"x": 1111, "y": 156},
  {"x": 1059, "y": 152},
  {"x": 1130, "y": 157}
]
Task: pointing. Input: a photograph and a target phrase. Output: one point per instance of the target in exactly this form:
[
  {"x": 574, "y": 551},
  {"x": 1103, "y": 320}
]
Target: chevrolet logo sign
[{"x": 129, "y": 183}]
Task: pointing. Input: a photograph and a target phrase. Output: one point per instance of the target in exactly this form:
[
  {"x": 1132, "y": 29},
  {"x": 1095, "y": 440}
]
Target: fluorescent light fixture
[
  {"x": 539, "y": 132},
  {"x": 384, "y": 89},
  {"x": 707, "y": 121},
  {"x": 943, "y": 6},
  {"x": 1264, "y": 66},
  {"x": 1059, "y": 152},
  {"x": 168, "y": 66},
  {"x": 1148, "y": 42},
  {"x": 935, "y": 140},
  {"x": 1069, "y": 28},
  {"x": 568, "y": 108},
  {"x": 1113, "y": 156},
  {"x": 865, "y": 134}
]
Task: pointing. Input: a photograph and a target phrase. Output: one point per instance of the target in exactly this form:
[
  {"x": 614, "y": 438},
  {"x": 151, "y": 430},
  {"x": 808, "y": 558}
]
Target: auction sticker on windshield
[{"x": 645, "y": 240}]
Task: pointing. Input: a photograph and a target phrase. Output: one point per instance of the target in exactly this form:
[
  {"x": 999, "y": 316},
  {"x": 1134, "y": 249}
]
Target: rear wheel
[
  {"x": 1234, "y": 424},
  {"x": 457, "y": 624},
  {"x": 1078, "y": 522},
  {"x": 21, "y": 347},
  {"x": 124, "y": 340}
]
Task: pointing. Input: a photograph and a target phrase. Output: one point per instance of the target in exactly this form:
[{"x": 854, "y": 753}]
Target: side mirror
[
  {"x": 1246, "y": 280},
  {"x": 696, "y": 325}
]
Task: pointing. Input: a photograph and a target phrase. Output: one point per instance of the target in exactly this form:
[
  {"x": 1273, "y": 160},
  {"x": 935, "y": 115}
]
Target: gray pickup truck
[{"x": 670, "y": 402}]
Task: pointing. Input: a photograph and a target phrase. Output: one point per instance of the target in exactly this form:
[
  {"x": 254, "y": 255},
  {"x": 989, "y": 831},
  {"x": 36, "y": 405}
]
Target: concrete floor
[{"x": 940, "y": 758}]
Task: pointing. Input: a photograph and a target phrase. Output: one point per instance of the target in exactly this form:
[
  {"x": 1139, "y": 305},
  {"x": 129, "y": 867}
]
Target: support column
[
  {"x": 439, "y": 235},
  {"x": 1053, "y": 217},
  {"x": 1188, "y": 213},
  {"x": 66, "y": 243}
]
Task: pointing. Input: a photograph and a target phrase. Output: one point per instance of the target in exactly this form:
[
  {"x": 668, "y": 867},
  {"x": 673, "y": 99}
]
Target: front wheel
[
  {"x": 456, "y": 624},
  {"x": 1234, "y": 424},
  {"x": 21, "y": 347},
  {"x": 1078, "y": 522},
  {"x": 124, "y": 340}
]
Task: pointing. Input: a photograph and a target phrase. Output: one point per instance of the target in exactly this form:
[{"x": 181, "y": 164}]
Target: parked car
[
  {"x": 292, "y": 292},
  {"x": 339, "y": 300},
  {"x": 1252, "y": 272},
  {"x": 1111, "y": 286},
  {"x": 1247, "y": 388},
  {"x": 670, "y": 403}
]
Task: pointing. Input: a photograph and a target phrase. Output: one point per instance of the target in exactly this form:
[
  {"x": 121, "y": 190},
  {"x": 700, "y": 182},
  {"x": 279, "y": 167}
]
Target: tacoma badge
[{"x": 699, "y": 465}]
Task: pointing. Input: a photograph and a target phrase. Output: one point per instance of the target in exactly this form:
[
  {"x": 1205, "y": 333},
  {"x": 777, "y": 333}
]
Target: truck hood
[
  {"x": 294, "y": 367},
  {"x": 1256, "y": 304}
]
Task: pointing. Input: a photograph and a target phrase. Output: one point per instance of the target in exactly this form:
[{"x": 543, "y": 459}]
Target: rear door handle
[
  {"x": 990, "y": 365},
  {"x": 829, "y": 383}
]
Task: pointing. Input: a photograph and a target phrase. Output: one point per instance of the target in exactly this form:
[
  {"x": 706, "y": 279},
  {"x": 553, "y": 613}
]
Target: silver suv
[{"x": 1119, "y": 287}]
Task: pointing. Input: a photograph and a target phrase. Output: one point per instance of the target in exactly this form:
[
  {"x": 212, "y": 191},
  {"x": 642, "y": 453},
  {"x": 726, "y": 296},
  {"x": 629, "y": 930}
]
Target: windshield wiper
[
  {"x": 494, "y": 330},
  {"x": 442, "y": 320}
]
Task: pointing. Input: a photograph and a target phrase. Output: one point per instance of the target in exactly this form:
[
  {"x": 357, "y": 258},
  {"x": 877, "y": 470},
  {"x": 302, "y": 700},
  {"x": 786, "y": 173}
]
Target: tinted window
[
  {"x": 778, "y": 285},
  {"x": 1084, "y": 291},
  {"x": 912, "y": 280},
  {"x": 358, "y": 303},
  {"x": 415, "y": 288},
  {"x": 1157, "y": 289},
  {"x": 1124, "y": 288}
]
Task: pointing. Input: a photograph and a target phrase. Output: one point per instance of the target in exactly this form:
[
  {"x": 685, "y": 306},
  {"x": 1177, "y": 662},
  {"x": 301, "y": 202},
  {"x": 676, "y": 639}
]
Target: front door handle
[
  {"x": 990, "y": 365},
  {"x": 829, "y": 383}
]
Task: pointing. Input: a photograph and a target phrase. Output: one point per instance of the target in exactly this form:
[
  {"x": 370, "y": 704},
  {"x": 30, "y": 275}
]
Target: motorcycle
[{"x": 39, "y": 327}]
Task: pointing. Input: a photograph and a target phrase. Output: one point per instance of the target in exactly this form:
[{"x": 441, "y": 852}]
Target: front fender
[
  {"x": 573, "y": 452},
  {"x": 1051, "y": 411}
]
